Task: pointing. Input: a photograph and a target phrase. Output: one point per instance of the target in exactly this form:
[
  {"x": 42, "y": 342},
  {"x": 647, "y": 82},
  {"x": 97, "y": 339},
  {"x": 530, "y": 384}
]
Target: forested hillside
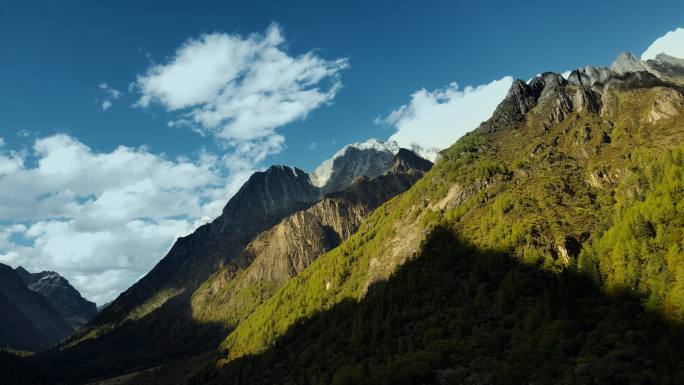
[{"x": 574, "y": 185}]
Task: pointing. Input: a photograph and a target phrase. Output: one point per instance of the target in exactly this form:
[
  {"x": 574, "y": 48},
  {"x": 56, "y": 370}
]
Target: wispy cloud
[{"x": 111, "y": 94}]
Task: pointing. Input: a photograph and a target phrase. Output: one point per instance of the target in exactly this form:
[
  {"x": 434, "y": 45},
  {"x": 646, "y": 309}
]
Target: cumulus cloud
[
  {"x": 240, "y": 89},
  {"x": 102, "y": 219},
  {"x": 111, "y": 94},
  {"x": 436, "y": 119},
  {"x": 672, "y": 43}
]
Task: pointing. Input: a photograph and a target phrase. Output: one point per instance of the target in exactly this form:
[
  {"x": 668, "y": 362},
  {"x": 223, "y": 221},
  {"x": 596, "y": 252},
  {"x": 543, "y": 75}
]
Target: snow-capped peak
[{"x": 323, "y": 173}]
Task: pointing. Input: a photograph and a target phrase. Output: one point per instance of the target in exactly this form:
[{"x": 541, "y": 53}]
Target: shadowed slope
[{"x": 455, "y": 314}]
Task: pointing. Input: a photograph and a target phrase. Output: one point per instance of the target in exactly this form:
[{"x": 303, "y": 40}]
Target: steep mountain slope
[
  {"x": 128, "y": 332},
  {"x": 63, "y": 297},
  {"x": 265, "y": 199},
  {"x": 16, "y": 331},
  {"x": 33, "y": 308},
  {"x": 280, "y": 253},
  {"x": 455, "y": 314},
  {"x": 544, "y": 180},
  {"x": 664, "y": 67}
]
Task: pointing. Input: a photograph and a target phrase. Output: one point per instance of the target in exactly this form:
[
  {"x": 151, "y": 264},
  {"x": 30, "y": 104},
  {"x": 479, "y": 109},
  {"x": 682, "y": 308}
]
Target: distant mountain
[
  {"x": 407, "y": 161},
  {"x": 34, "y": 322},
  {"x": 370, "y": 158},
  {"x": 61, "y": 295},
  {"x": 664, "y": 67}
]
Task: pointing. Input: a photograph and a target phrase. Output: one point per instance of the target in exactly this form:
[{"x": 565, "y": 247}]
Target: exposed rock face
[
  {"x": 664, "y": 67},
  {"x": 286, "y": 249},
  {"x": 626, "y": 62},
  {"x": 589, "y": 89},
  {"x": 34, "y": 308},
  {"x": 407, "y": 161},
  {"x": 370, "y": 158},
  {"x": 309, "y": 233},
  {"x": 62, "y": 296},
  {"x": 667, "y": 67}
]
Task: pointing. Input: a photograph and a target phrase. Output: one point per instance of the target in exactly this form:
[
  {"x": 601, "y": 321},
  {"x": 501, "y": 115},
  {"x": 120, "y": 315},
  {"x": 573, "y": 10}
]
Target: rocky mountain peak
[
  {"x": 626, "y": 62},
  {"x": 61, "y": 294},
  {"x": 583, "y": 89},
  {"x": 408, "y": 161},
  {"x": 370, "y": 158},
  {"x": 32, "y": 306},
  {"x": 275, "y": 188}
]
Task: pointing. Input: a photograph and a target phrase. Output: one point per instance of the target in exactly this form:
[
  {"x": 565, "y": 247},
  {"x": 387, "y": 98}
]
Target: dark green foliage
[{"x": 456, "y": 314}]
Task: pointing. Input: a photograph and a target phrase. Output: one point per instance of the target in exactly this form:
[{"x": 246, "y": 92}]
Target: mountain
[
  {"x": 63, "y": 297},
  {"x": 407, "y": 161},
  {"x": 128, "y": 330},
  {"x": 543, "y": 247},
  {"x": 166, "y": 295},
  {"x": 16, "y": 331},
  {"x": 664, "y": 67},
  {"x": 32, "y": 323},
  {"x": 370, "y": 158},
  {"x": 280, "y": 253}
]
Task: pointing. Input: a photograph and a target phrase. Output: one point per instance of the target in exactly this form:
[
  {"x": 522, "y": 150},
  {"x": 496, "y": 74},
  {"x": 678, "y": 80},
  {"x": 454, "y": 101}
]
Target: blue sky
[
  {"x": 56, "y": 53},
  {"x": 99, "y": 194}
]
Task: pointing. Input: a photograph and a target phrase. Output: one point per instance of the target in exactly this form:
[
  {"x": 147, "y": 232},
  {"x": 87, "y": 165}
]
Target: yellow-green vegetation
[
  {"x": 538, "y": 190},
  {"x": 642, "y": 250}
]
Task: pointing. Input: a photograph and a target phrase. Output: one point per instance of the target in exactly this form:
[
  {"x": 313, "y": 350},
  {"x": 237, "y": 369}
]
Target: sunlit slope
[{"x": 544, "y": 179}]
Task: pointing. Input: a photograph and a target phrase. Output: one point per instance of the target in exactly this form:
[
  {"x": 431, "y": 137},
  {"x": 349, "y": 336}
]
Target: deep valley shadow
[
  {"x": 458, "y": 315},
  {"x": 123, "y": 350},
  {"x": 452, "y": 315}
]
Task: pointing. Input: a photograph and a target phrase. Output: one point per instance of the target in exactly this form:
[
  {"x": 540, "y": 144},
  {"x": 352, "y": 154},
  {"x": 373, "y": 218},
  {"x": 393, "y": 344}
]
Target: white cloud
[
  {"x": 111, "y": 94},
  {"x": 106, "y": 104},
  {"x": 672, "y": 43},
  {"x": 436, "y": 119},
  {"x": 240, "y": 89},
  {"x": 102, "y": 219}
]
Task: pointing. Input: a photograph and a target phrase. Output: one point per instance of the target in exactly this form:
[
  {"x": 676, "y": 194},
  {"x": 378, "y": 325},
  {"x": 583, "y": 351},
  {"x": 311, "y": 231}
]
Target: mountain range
[{"x": 545, "y": 246}]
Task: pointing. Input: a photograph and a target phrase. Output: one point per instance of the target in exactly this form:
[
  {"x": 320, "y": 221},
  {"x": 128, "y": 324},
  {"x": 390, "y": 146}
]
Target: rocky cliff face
[
  {"x": 591, "y": 89},
  {"x": 63, "y": 297},
  {"x": 16, "y": 331},
  {"x": 280, "y": 253},
  {"x": 664, "y": 67},
  {"x": 370, "y": 158},
  {"x": 407, "y": 161},
  {"x": 34, "y": 314}
]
